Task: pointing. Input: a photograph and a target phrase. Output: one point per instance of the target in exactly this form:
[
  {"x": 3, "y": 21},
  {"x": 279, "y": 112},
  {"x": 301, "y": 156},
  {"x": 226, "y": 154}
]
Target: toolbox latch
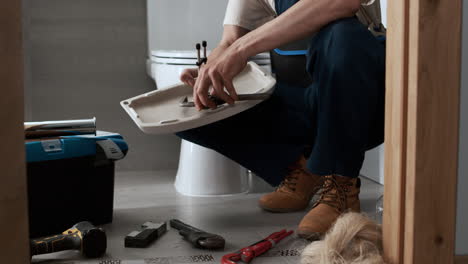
[
  {"x": 112, "y": 150},
  {"x": 54, "y": 145}
]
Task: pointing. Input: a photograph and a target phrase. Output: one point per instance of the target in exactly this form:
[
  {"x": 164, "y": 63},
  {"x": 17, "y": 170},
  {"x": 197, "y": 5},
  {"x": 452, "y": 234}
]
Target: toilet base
[{"x": 204, "y": 172}]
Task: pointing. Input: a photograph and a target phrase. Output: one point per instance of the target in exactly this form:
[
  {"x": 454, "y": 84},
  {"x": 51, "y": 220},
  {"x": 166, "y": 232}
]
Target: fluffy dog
[{"x": 353, "y": 239}]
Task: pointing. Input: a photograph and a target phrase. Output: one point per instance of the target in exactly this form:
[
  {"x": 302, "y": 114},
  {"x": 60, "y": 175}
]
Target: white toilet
[
  {"x": 165, "y": 66},
  {"x": 202, "y": 171}
]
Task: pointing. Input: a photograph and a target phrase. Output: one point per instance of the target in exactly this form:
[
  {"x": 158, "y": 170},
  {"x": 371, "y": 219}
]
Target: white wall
[
  {"x": 373, "y": 167},
  {"x": 383, "y": 6},
  {"x": 462, "y": 206},
  {"x": 176, "y": 25}
]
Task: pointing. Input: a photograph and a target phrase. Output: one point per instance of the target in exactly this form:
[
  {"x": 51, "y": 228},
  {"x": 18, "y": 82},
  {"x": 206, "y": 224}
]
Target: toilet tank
[{"x": 180, "y": 24}]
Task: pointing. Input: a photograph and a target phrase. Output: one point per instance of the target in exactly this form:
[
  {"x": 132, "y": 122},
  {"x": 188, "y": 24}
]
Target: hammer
[{"x": 88, "y": 239}]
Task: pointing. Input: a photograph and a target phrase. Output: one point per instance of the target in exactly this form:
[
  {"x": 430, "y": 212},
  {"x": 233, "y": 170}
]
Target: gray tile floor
[{"x": 150, "y": 196}]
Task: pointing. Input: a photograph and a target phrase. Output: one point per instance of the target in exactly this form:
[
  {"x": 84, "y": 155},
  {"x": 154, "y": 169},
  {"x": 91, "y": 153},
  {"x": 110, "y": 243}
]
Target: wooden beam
[
  {"x": 461, "y": 259},
  {"x": 14, "y": 246},
  {"x": 433, "y": 116},
  {"x": 395, "y": 130}
]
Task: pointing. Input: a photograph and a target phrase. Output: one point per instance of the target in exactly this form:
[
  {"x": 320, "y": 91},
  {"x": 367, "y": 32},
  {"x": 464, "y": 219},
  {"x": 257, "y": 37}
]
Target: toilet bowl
[{"x": 201, "y": 171}]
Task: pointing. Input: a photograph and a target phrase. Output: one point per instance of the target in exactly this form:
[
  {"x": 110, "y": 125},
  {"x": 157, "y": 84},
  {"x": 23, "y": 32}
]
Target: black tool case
[{"x": 71, "y": 179}]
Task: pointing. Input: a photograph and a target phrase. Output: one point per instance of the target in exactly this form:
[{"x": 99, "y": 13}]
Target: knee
[
  {"x": 345, "y": 28},
  {"x": 341, "y": 44},
  {"x": 344, "y": 34}
]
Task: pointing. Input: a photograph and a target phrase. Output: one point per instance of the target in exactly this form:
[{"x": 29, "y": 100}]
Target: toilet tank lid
[
  {"x": 176, "y": 54},
  {"x": 192, "y": 54}
]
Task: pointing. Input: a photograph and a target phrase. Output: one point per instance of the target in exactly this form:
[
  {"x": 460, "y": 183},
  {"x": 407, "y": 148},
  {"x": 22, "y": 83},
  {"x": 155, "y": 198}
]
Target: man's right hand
[
  {"x": 230, "y": 35},
  {"x": 188, "y": 76}
]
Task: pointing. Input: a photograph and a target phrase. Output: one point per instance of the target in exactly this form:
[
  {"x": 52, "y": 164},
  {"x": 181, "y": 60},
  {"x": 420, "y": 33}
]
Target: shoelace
[
  {"x": 334, "y": 199},
  {"x": 290, "y": 181}
]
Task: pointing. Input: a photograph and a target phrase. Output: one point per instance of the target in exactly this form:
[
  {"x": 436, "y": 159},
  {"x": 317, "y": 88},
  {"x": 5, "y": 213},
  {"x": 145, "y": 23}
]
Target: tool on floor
[
  {"x": 197, "y": 237},
  {"x": 247, "y": 254},
  {"x": 84, "y": 236},
  {"x": 241, "y": 97},
  {"x": 60, "y": 128},
  {"x": 150, "y": 232}
]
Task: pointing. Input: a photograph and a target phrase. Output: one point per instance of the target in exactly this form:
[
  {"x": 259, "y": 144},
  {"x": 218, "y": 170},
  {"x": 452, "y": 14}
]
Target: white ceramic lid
[
  {"x": 188, "y": 57},
  {"x": 174, "y": 61},
  {"x": 159, "y": 112},
  {"x": 261, "y": 56},
  {"x": 178, "y": 54}
]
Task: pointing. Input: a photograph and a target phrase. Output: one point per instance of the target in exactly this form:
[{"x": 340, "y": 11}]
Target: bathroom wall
[
  {"x": 84, "y": 57},
  {"x": 462, "y": 206},
  {"x": 383, "y": 6},
  {"x": 176, "y": 25},
  {"x": 373, "y": 167}
]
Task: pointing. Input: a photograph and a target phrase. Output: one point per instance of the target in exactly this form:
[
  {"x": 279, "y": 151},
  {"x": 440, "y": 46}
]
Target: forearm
[
  {"x": 301, "y": 20},
  {"x": 231, "y": 34}
]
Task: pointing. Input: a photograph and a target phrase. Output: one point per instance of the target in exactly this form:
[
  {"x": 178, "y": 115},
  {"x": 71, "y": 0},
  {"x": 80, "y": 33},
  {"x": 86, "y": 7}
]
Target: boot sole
[
  {"x": 311, "y": 236},
  {"x": 281, "y": 210}
]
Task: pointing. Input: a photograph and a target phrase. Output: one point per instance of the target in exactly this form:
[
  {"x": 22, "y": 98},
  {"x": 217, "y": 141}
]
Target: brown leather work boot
[
  {"x": 338, "y": 195},
  {"x": 295, "y": 192}
]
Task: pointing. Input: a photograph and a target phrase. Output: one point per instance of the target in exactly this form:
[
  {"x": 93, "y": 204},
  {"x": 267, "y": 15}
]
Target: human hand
[
  {"x": 218, "y": 73},
  {"x": 189, "y": 76}
]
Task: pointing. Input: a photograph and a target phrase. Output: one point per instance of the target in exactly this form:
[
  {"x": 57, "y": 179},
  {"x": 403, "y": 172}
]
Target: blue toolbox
[{"x": 71, "y": 179}]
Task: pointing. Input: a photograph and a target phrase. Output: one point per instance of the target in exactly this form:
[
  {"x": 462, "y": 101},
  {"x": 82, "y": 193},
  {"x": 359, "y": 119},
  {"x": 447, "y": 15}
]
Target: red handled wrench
[{"x": 247, "y": 254}]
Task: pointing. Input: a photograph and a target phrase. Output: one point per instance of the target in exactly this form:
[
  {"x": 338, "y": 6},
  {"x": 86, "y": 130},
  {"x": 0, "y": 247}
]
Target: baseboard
[{"x": 461, "y": 259}]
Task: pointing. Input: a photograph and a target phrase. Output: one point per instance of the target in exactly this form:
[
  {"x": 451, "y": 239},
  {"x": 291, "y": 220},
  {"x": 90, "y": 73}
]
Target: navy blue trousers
[{"x": 332, "y": 122}]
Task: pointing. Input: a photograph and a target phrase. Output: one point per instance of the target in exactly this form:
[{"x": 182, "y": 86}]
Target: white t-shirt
[{"x": 251, "y": 14}]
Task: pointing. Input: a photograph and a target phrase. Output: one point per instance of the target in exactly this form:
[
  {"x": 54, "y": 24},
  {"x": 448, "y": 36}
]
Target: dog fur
[{"x": 353, "y": 239}]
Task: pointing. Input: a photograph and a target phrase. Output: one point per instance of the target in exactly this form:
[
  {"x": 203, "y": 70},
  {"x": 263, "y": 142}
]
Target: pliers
[{"x": 247, "y": 254}]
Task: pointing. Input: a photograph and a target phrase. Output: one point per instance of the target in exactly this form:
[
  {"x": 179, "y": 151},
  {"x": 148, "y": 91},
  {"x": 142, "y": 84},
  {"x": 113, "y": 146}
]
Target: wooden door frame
[
  {"x": 421, "y": 134},
  {"x": 14, "y": 245}
]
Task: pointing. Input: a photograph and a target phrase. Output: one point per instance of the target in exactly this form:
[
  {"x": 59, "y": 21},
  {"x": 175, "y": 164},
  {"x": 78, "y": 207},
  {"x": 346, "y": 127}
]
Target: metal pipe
[{"x": 60, "y": 128}]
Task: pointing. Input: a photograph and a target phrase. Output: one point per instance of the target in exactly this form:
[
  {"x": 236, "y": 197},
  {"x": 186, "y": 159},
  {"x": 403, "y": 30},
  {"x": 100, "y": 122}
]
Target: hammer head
[{"x": 94, "y": 240}]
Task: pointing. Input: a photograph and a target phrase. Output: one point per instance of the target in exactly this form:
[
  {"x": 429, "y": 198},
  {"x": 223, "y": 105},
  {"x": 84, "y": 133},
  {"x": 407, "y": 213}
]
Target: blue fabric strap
[{"x": 290, "y": 52}]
